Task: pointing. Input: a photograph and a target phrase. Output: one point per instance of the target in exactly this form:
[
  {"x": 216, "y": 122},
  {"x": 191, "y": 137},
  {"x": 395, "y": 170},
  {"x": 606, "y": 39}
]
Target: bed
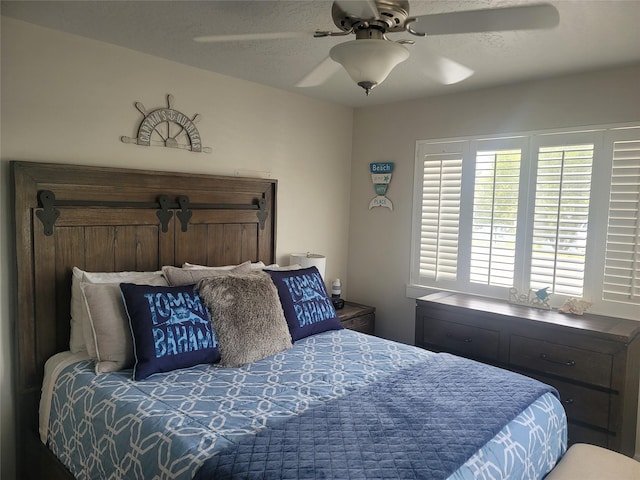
[{"x": 333, "y": 403}]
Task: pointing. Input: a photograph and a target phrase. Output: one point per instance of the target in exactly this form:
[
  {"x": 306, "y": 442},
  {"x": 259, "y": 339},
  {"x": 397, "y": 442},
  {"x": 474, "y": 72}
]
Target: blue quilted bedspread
[
  {"x": 424, "y": 422},
  {"x": 167, "y": 427}
]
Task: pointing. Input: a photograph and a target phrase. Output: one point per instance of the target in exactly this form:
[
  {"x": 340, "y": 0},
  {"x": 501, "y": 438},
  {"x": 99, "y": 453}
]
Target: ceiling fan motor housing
[{"x": 392, "y": 16}]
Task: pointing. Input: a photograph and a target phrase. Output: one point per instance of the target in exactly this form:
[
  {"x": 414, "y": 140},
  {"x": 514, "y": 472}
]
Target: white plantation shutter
[
  {"x": 440, "y": 209},
  {"x": 556, "y": 209},
  {"x": 561, "y": 217},
  {"x": 495, "y": 213},
  {"x": 622, "y": 257}
]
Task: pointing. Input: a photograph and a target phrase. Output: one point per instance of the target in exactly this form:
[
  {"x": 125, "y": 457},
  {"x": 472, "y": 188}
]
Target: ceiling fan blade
[
  {"x": 442, "y": 69},
  {"x": 320, "y": 73},
  {"x": 364, "y": 9},
  {"x": 242, "y": 37},
  {"x": 526, "y": 17}
]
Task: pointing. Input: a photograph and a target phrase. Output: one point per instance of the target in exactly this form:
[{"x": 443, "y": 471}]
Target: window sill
[{"x": 417, "y": 291}]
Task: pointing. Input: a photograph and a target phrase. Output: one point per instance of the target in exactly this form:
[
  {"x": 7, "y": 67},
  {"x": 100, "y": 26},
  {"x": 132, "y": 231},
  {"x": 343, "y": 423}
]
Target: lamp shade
[
  {"x": 309, "y": 260},
  {"x": 369, "y": 61}
]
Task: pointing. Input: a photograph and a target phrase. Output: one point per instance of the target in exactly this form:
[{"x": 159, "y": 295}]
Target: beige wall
[
  {"x": 68, "y": 99},
  {"x": 380, "y": 240}
]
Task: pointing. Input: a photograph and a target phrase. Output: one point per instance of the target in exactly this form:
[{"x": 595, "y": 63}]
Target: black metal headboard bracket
[{"x": 48, "y": 213}]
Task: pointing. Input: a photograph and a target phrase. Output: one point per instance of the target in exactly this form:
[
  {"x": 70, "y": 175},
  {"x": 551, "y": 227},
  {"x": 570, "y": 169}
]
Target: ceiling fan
[{"x": 373, "y": 55}]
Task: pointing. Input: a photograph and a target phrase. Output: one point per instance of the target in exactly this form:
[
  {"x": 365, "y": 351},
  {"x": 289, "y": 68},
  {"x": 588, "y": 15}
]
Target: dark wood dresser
[
  {"x": 592, "y": 360},
  {"x": 361, "y": 318}
]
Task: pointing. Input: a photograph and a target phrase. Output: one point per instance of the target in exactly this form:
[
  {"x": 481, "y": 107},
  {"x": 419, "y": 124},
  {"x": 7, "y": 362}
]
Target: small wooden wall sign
[
  {"x": 166, "y": 127},
  {"x": 381, "y": 176}
]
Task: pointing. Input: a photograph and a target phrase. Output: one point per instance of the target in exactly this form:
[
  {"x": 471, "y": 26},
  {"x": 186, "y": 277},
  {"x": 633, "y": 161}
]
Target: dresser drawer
[
  {"x": 577, "y": 364},
  {"x": 465, "y": 339},
  {"x": 582, "y": 404},
  {"x": 580, "y": 434}
]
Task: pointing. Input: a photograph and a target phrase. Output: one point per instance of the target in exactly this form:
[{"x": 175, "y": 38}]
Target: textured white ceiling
[{"x": 592, "y": 34}]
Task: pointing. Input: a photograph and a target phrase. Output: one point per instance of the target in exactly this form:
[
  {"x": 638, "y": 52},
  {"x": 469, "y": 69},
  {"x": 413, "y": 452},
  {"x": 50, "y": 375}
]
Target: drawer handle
[
  {"x": 459, "y": 339},
  {"x": 547, "y": 358},
  {"x": 568, "y": 401}
]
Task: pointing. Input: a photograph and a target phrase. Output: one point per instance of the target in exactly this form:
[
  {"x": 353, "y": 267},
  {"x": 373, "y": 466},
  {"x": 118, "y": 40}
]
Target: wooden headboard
[{"x": 108, "y": 219}]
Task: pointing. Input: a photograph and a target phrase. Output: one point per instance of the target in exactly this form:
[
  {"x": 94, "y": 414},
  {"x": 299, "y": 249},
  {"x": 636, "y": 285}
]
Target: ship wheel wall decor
[{"x": 166, "y": 127}]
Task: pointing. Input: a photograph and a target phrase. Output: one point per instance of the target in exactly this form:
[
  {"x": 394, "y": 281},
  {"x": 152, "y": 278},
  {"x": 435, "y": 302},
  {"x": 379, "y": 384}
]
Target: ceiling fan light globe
[{"x": 369, "y": 61}]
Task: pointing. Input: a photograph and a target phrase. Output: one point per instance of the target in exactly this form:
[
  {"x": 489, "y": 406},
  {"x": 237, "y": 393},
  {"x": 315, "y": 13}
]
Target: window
[
  {"x": 494, "y": 221},
  {"x": 555, "y": 210},
  {"x": 622, "y": 255},
  {"x": 440, "y": 216},
  {"x": 561, "y": 218}
]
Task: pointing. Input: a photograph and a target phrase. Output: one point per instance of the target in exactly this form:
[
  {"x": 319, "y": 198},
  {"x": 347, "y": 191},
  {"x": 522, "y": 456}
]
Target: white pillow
[
  {"x": 276, "y": 267},
  {"x": 79, "y": 316},
  {"x": 76, "y": 337},
  {"x": 109, "y": 323},
  {"x": 254, "y": 266},
  {"x": 177, "y": 277}
]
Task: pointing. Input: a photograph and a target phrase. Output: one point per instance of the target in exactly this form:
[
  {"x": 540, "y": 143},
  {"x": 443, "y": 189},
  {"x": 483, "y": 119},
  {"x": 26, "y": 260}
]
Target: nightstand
[{"x": 360, "y": 318}]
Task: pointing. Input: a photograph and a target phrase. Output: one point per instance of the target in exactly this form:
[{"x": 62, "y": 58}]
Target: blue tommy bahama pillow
[
  {"x": 307, "y": 307},
  {"x": 171, "y": 328}
]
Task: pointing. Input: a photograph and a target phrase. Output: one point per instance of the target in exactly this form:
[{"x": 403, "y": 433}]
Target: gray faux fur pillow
[{"x": 247, "y": 317}]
